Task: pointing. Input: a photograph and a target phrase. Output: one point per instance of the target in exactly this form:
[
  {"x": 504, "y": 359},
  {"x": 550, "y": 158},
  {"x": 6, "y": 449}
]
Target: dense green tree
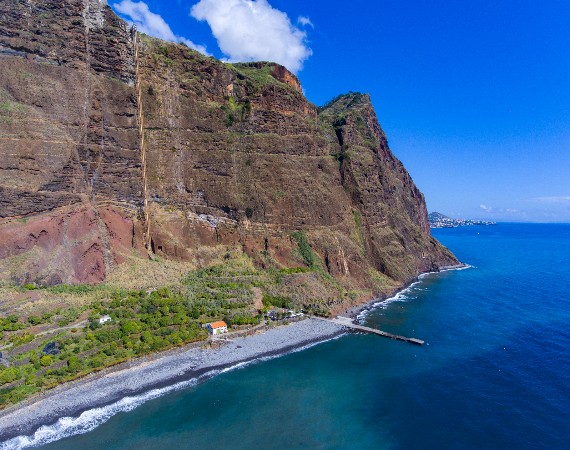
[
  {"x": 74, "y": 363},
  {"x": 46, "y": 360},
  {"x": 130, "y": 327},
  {"x": 9, "y": 374}
]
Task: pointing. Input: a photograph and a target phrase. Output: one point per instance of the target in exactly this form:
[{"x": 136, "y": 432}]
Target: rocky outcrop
[
  {"x": 392, "y": 209},
  {"x": 71, "y": 245},
  {"x": 234, "y": 155}
]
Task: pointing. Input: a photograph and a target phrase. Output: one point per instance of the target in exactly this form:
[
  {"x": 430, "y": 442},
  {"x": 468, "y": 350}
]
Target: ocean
[{"x": 494, "y": 372}]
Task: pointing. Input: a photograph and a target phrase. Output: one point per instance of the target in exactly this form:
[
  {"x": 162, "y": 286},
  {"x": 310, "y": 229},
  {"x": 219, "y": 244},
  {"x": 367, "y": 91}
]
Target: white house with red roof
[{"x": 219, "y": 327}]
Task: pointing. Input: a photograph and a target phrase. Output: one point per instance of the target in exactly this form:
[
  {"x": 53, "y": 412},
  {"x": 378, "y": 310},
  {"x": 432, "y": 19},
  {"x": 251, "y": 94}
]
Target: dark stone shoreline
[
  {"x": 164, "y": 370},
  {"x": 355, "y": 311},
  {"x": 198, "y": 364}
]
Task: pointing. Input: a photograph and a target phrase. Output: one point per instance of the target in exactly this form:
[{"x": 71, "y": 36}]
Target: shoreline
[
  {"x": 139, "y": 380},
  {"x": 22, "y": 424},
  {"x": 357, "y": 311}
]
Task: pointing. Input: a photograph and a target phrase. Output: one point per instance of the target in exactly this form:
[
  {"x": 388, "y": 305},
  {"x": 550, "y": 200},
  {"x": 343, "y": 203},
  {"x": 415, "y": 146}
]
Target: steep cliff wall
[
  {"x": 392, "y": 209},
  {"x": 234, "y": 155},
  {"x": 68, "y": 140}
]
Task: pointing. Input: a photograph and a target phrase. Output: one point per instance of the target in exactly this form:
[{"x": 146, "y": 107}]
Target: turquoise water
[{"x": 494, "y": 373}]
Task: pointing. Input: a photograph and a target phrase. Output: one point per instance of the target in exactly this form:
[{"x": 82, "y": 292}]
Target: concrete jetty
[{"x": 347, "y": 322}]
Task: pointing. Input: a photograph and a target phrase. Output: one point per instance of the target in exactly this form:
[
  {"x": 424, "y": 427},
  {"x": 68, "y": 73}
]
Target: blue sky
[{"x": 474, "y": 96}]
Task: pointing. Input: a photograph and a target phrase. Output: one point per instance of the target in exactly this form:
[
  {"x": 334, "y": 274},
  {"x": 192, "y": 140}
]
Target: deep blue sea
[{"x": 494, "y": 373}]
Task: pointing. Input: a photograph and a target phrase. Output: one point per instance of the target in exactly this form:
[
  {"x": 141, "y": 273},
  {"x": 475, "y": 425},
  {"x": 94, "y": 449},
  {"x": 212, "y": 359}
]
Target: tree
[
  {"x": 130, "y": 327},
  {"x": 9, "y": 375},
  {"x": 74, "y": 363},
  {"x": 46, "y": 360}
]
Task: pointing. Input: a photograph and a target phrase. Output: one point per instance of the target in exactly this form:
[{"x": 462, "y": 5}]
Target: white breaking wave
[
  {"x": 400, "y": 296},
  {"x": 403, "y": 295},
  {"x": 89, "y": 420},
  {"x": 302, "y": 349}
]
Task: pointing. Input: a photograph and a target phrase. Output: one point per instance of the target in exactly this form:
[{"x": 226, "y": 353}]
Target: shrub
[
  {"x": 21, "y": 339},
  {"x": 236, "y": 111},
  {"x": 11, "y": 323},
  {"x": 73, "y": 289},
  {"x": 8, "y": 375},
  {"x": 46, "y": 360},
  {"x": 74, "y": 363},
  {"x": 34, "y": 320},
  {"x": 277, "y": 301},
  {"x": 294, "y": 270},
  {"x": 244, "y": 319},
  {"x": 304, "y": 248}
]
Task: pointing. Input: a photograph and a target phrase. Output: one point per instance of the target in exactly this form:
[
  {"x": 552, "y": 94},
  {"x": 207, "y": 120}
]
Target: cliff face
[
  {"x": 229, "y": 155},
  {"x": 393, "y": 210}
]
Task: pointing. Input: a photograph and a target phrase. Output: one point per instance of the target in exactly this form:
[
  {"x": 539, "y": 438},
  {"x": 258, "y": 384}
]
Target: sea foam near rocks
[
  {"x": 262, "y": 347},
  {"x": 404, "y": 294}
]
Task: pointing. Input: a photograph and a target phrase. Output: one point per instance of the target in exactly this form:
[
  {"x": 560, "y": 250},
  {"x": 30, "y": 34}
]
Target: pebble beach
[{"x": 24, "y": 424}]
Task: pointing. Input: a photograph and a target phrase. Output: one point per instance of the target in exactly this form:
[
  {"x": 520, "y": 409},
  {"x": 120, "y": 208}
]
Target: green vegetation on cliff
[
  {"x": 145, "y": 321},
  {"x": 304, "y": 249}
]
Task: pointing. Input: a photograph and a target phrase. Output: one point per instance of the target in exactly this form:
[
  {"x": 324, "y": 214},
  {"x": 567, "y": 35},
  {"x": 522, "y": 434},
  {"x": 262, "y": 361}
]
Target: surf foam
[
  {"x": 89, "y": 420},
  {"x": 404, "y": 294}
]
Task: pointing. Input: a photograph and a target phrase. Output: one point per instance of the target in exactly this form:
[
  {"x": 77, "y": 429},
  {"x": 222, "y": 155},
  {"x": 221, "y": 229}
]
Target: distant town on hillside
[{"x": 438, "y": 220}]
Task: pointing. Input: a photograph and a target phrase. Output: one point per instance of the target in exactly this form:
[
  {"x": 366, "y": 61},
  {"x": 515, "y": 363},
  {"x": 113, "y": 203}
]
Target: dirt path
[
  {"x": 69, "y": 327},
  {"x": 257, "y": 298},
  {"x": 50, "y": 331}
]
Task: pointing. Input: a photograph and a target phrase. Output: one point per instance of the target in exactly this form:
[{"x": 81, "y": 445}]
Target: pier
[{"x": 347, "y": 322}]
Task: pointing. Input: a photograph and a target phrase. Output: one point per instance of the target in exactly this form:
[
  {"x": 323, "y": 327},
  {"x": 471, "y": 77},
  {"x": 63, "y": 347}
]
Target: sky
[{"x": 474, "y": 96}]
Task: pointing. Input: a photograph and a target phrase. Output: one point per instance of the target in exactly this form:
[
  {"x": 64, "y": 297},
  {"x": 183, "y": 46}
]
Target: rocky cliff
[{"x": 111, "y": 141}]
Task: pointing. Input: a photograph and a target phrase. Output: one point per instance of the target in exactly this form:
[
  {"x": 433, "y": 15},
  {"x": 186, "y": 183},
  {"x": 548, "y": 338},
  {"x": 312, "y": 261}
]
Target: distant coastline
[{"x": 438, "y": 220}]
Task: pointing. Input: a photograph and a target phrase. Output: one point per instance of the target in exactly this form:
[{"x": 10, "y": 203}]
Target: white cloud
[
  {"x": 250, "y": 30},
  {"x": 305, "y": 21},
  {"x": 152, "y": 24},
  {"x": 507, "y": 213},
  {"x": 559, "y": 199}
]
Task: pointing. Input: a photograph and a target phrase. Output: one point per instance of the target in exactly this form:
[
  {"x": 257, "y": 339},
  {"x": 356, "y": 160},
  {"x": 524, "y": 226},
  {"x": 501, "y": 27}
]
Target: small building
[
  {"x": 220, "y": 327},
  {"x": 104, "y": 319},
  {"x": 51, "y": 348}
]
